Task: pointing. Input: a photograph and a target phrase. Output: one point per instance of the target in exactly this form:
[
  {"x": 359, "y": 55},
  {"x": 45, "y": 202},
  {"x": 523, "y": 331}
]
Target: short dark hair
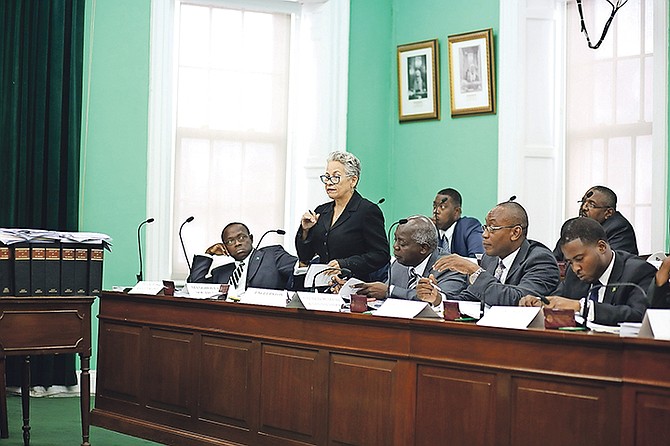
[
  {"x": 517, "y": 213},
  {"x": 233, "y": 224},
  {"x": 610, "y": 196},
  {"x": 588, "y": 230},
  {"x": 453, "y": 194}
]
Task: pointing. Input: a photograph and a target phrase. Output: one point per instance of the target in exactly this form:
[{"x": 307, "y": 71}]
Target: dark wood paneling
[
  {"x": 455, "y": 404},
  {"x": 361, "y": 400},
  {"x": 652, "y": 419},
  {"x": 169, "y": 380},
  {"x": 557, "y": 413},
  {"x": 113, "y": 381},
  {"x": 291, "y": 394}
]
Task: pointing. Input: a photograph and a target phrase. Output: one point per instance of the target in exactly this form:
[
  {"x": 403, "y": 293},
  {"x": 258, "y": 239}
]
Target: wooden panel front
[
  {"x": 169, "y": 379},
  {"x": 458, "y": 405},
  {"x": 292, "y": 395},
  {"x": 361, "y": 400},
  {"x": 119, "y": 381},
  {"x": 557, "y": 413},
  {"x": 652, "y": 419}
]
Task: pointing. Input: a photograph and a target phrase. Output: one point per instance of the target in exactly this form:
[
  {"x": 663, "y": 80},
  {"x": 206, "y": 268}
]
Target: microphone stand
[
  {"x": 585, "y": 311},
  {"x": 402, "y": 221},
  {"x": 345, "y": 271},
  {"x": 181, "y": 239},
  {"x": 139, "y": 246}
]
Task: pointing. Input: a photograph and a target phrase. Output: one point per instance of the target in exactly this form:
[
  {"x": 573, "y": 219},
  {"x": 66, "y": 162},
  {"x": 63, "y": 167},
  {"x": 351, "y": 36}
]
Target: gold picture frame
[
  {"x": 472, "y": 73},
  {"x": 419, "y": 81}
]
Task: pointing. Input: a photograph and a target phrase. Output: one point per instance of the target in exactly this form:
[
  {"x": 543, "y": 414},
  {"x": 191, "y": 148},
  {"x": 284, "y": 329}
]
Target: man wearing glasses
[
  {"x": 599, "y": 204},
  {"x": 511, "y": 265},
  {"x": 269, "y": 267}
]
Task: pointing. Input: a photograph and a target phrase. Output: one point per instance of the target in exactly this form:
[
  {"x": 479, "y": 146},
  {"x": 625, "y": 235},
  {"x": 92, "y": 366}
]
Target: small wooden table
[{"x": 41, "y": 326}]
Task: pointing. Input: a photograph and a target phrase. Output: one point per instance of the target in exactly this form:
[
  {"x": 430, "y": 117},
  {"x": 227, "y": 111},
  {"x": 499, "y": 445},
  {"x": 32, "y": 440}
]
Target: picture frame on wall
[
  {"x": 472, "y": 73},
  {"x": 418, "y": 81}
]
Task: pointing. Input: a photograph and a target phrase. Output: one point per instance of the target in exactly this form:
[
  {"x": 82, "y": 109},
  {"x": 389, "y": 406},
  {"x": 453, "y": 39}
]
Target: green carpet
[{"x": 57, "y": 422}]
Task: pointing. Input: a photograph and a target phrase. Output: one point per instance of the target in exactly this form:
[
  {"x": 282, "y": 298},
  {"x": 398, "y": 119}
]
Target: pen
[{"x": 544, "y": 300}]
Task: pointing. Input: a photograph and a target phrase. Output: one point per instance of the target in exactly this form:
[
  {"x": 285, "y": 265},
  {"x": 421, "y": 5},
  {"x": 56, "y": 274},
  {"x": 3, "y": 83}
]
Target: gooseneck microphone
[
  {"x": 345, "y": 271},
  {"x": 139, "y": 246},
  {"x": 253, "y": 251},
  {"x": 381, "y": 200},
  {"x": 402, "y": 221},
  {"x": 613, "y": 286},
  {"x": 512, "y": 198},
  {"x": 181, "y": 239}
]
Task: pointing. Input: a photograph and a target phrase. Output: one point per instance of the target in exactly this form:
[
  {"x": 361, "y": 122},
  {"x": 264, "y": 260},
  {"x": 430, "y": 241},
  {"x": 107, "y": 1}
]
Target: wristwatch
[{"x": 474, "y": 275}]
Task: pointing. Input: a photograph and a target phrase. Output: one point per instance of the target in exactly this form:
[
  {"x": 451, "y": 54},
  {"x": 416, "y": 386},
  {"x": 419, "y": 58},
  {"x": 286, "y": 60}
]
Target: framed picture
[
  {"x": 418, "y": 81},
  {"x": 472, "y": 73}
]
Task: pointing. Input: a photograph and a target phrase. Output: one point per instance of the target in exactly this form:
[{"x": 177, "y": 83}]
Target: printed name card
[
  {"x": 203, "y": 290},
  {"x": 316, "y": 301},
  {"x": 151, "y": 287},
  {"x": 261, "y": 296},
  {"x": 656, "y": 324},
  {"x": 513, "y": 317},
  {"x": 407, "y": 309}
]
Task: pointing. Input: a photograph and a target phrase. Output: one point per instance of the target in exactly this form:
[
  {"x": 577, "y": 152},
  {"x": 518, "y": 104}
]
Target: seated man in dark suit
[
  {"x": 511, "y": 266},
  {"x": 412, "y": 275},
  {"x": 599, "y": 203},
  {"x": 610, "y": 284},
  {"x": 659, "y": 292},
  {"x": 459, "y": 235},
  {"x": 269, "y": 267}
]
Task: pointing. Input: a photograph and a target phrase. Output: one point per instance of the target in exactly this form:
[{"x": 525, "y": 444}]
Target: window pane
[
  {"x": 619, "y": 173},
  {"x": 194, "y": 29},
  {"x": 643, "y": 160},
  {"x": 628, "y": 31},
  {"x": 628, "y": 91}
]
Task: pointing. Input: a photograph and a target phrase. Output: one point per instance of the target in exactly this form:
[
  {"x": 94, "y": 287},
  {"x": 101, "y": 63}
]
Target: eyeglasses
[
  {"x": 590, "y": 204},
  {"x": 489, "y": 228},
  {"x": 325, "y": 179},
  {"x": 240, "y": 238}
]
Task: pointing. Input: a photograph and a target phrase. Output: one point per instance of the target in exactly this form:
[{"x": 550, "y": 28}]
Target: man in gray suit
[
  {"x": 412, "y": 275},
  {"x": 512, "y": 264}
]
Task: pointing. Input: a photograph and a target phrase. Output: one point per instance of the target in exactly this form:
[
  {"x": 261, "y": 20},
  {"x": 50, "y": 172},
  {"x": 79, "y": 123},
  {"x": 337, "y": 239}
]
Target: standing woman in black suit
[{"x": 347, "y": 232}]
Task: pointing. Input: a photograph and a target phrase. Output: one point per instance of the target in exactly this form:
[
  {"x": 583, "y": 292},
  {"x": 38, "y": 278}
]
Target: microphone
[
  {"x": 139, "y": 245},
  {"x": 613, "y": 286},
  {"x": 402, "y": 221},
  {"x": 181, "y": 239},
  {"x": 345, "y": 271},
  {"x": 512, "y": 198},
  {"x": 381, "y": 200},
  {"x": 253, "y": 251}
]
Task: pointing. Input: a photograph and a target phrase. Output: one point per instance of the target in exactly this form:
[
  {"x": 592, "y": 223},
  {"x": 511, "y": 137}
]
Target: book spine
[
  {"x": 81, "y": 270},
  {"x": 67, "y": 270},
  {"x": 95, "y": 271},
  {"x": 6, "y": 271},
  {"x": 37, "y": 270},
  {"x": 52, "y": 270},
  {"x": 22, "y": 269}
]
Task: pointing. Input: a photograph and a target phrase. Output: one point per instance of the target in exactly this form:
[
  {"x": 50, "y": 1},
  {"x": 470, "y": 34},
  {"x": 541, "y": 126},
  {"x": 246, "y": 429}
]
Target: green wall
[{"x": 407, "y": 163}]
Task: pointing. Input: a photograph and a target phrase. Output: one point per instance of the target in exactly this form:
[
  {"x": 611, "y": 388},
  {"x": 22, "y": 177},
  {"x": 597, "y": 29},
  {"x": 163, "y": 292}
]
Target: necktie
[
  {"x": 499, "y": 270},
  {"x": 444, "y": 242},
  {"x": 413, "y": 279},
  {"x": 235, "y": 278},
  {"x": 593, "y": 292}
]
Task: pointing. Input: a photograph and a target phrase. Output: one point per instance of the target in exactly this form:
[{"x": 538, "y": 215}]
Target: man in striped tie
[{"x": 269, "y": 267}]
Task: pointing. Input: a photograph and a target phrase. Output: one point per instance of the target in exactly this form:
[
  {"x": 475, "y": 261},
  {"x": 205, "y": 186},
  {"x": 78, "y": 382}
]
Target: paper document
[
  {"x": 513, "y": 317},
  {"x": 407, "y": 309},
  {"x": 348, "y": 288},
  {"x": 316, "y": 301},
  {"x": 261, "y": 296},
  {"x": 317, "y": 276}
]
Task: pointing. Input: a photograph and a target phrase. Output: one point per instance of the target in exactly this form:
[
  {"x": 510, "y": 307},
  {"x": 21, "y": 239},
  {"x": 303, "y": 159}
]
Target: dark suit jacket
[
  {"x": 270, "y": 267},
  {"x": 621, "y": 303},
  {"x": 620, "y": 235},
  {"x": 534, "y": 271},
  {"x": 659, "y": 296},
  {"x": 450, "y": 282},
  {"x": 467, "y": 238},
  {"x": 357, "y": 240}
]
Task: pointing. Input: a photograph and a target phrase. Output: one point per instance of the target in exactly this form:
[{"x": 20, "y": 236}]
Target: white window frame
[
  {"x": 517, "y": 159},
  {"x": 307, "y": 145}
]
